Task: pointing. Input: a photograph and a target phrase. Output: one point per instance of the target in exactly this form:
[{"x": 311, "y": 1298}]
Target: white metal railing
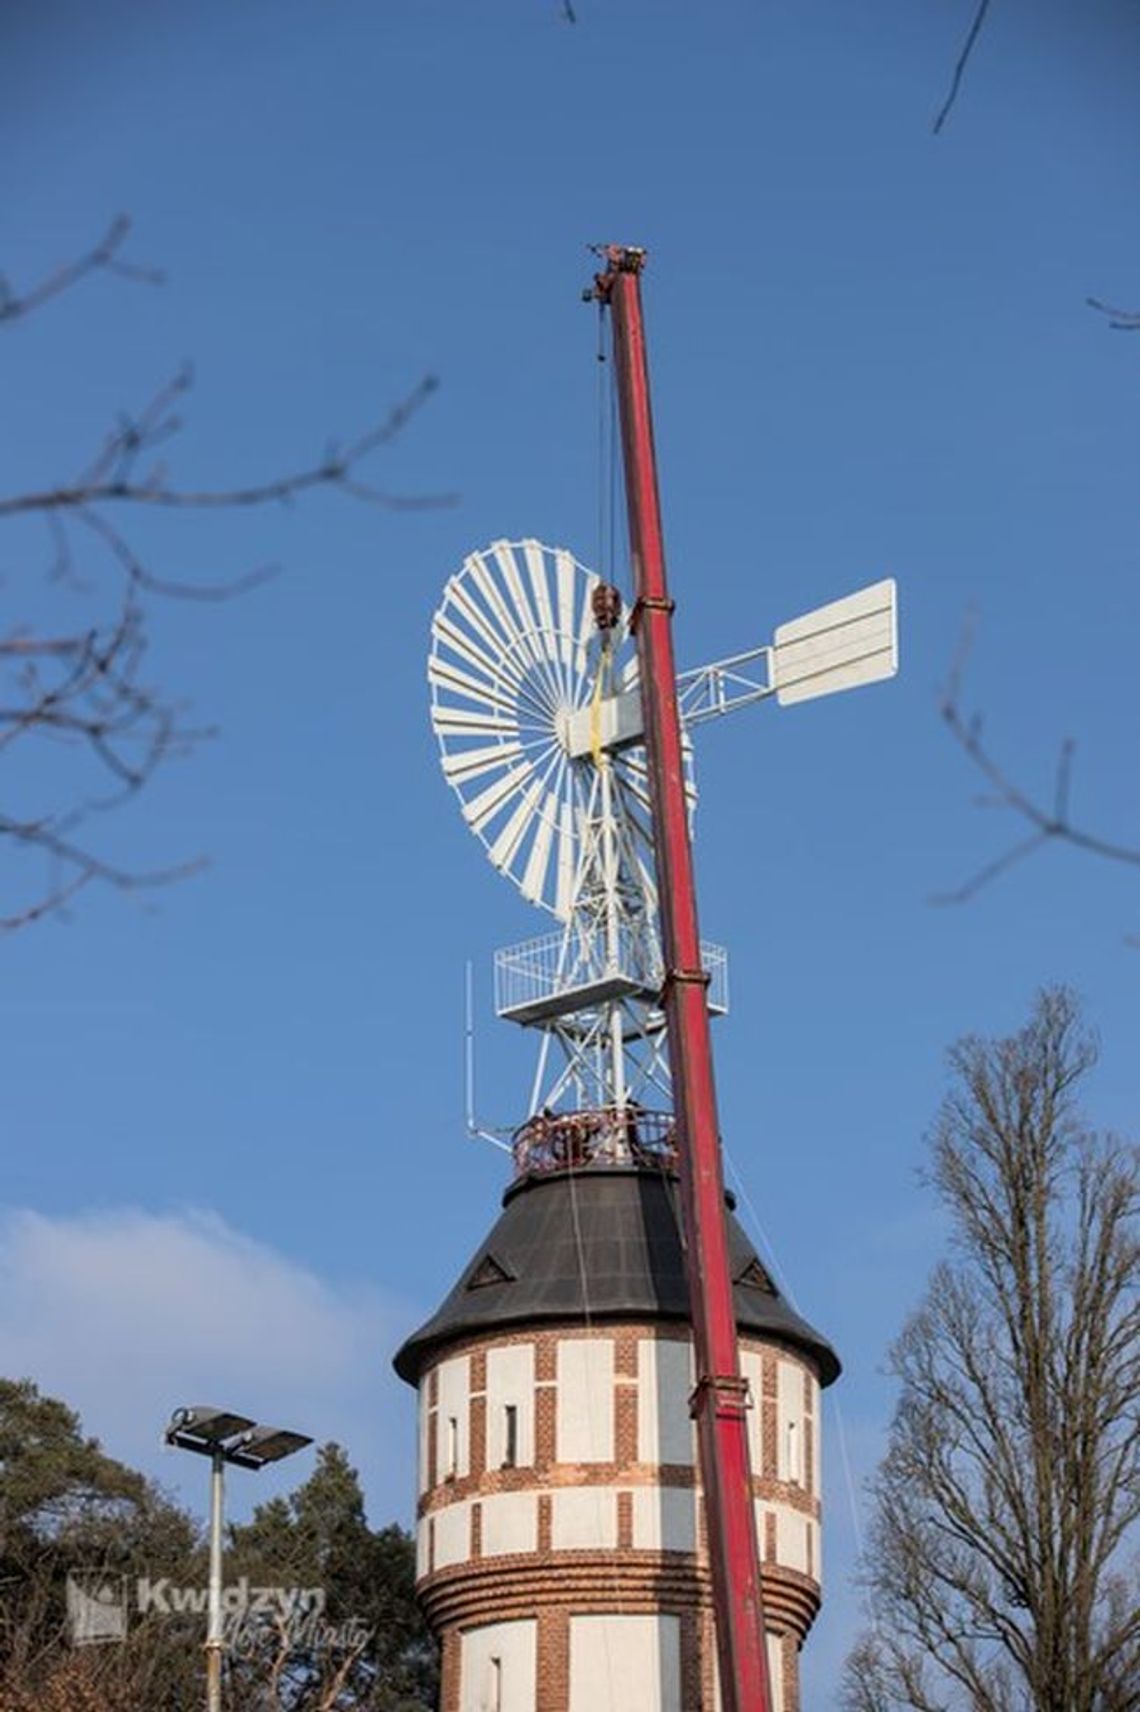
[{"x": 540, "y": 970}]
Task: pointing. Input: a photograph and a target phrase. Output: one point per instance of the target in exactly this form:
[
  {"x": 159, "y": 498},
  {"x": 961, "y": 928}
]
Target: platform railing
[
  {"x": 614, "y": 1135},
  {"x": 539, "y": 969}
]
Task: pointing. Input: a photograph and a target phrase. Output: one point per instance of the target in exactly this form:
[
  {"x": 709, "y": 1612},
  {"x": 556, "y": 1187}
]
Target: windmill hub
[{"x": 563, "y": 724}]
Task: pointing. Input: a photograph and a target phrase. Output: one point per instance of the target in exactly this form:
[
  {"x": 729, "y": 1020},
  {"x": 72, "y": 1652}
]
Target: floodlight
[
  {"x": 224, "y": 1437},
  {"x": 212, "y": 1426},
  {"x": 269, "y": 1444}
]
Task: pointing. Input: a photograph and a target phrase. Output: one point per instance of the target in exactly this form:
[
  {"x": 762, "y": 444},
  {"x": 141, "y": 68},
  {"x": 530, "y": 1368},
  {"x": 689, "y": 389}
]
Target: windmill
[
  {"x": 536, "y": 706},
  {"x": 567, "y": 735}
]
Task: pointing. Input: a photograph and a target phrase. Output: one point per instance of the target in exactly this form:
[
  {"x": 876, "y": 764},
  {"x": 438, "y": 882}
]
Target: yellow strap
[{"x": 596, "y": 707}]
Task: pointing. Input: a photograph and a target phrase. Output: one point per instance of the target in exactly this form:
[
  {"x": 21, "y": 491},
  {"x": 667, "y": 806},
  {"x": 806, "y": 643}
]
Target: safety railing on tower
[
  {"x": 548, "y": 977},
  {"x": 617, "y": 1135}
]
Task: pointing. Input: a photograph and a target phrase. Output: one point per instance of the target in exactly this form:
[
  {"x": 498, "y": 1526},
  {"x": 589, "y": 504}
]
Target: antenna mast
[{"x": 720, "y": 1398}]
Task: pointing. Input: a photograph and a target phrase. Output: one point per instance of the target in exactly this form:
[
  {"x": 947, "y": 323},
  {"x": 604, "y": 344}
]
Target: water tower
[{"x": 580, "y": 1545}]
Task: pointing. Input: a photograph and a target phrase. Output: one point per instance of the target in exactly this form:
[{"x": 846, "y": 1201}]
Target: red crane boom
[{"x": 720, "y": 1399}]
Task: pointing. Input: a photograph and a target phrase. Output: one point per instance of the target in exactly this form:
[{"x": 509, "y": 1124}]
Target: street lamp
[{"x": 224, "y": 1437}]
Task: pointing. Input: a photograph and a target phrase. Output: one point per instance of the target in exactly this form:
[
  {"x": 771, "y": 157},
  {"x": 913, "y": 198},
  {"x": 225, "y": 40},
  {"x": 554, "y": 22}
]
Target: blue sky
[{"x": 233, "y": 1119}]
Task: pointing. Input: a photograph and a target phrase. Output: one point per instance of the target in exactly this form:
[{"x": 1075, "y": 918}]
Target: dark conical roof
[{"x": 602, "y": 1242}]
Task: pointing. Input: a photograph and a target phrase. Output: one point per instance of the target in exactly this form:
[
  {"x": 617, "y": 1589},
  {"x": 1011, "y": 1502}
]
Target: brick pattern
[
  {"x": 550, "y": 1586},
  {"x": 692, "y": 1690},
  {"x": 481, "y": 1480},
  {"x": 477, "y": 1443},
  {"x": 706, "y": 1641},
  {"x": 664, "y": 1584},
  {"x": 552, "y": 1674},
  {"x": 545, "y": 1352},
  {"x": 625, "y": 1422},
  {"x": 545, "y": 1426},
  {"x": 769, "y": 1418},
  {"x": 449, "y": 1671},
  {"x": 790, "y": 1648}
]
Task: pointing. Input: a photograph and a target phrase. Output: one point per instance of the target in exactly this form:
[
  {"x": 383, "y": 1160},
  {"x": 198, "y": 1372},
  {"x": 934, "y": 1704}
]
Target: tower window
[
  {"x": 496, "y": 1685},
  {"x": 452, "y": 1447},
  {"x": 510, "y": 1435},
  {"x": 794, "y": 1471}
]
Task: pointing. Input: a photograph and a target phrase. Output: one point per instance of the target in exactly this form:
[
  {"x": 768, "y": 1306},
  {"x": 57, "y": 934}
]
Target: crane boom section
[{"x": 720, "y": 1399}]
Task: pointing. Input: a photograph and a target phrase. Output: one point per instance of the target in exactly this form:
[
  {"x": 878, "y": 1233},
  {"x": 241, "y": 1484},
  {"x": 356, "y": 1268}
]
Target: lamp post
[{"x": 224, "y": 1437}]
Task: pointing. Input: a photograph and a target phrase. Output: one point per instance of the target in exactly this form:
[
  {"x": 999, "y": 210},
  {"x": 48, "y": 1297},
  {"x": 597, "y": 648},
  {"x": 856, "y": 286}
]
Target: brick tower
[{"x": 560, "y": 1534}]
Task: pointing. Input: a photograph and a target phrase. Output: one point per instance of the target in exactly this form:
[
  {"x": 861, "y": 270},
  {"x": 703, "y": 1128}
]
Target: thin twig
[
  {"x": 1046, "y": 824},
  {"x": 102, "y": 257},
  {"x": 331, "y": 471},
  {"x": 1124, "y": 320},
  {"x": 960, "y": 67},
  {"x": 82, "y": 868},
  {"x": 144, "y": 579}
]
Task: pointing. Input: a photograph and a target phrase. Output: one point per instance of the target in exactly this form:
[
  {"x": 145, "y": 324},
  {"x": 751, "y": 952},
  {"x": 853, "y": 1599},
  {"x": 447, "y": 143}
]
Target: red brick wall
[{"x": 550, "y": 1586}]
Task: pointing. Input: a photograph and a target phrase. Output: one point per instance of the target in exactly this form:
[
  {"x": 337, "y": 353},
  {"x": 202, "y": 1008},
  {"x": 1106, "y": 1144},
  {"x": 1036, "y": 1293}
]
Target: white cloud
[{"x": 125, "y": 1314}]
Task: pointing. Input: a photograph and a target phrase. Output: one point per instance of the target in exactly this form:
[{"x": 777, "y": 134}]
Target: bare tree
[
  {"x": 1005, "y": 1511},
  {"x": 79, "y": 692}
]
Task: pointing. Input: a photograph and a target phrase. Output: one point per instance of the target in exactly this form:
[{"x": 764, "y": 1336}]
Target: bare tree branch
[
  {"x": 963, "y": 60},
  {"x": 102, "y": 257},
  {"x": 84, "y": 691},
  {"x": 113, "y": 475},
  {"x": 1048, "y": 824},
  {"x": 143, "y": 579},
  {"x": 1124, "y": 320}
]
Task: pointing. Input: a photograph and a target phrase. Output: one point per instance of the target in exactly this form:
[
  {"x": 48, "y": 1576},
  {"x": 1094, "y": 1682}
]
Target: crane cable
[{"x": 832, "y": 1400}]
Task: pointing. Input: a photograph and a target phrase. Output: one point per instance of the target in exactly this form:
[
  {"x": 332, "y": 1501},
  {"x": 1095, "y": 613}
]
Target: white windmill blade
[
  {"x": 470, "y": 764},
  {"x": 526, "y": 628},
  {"x": 444, "y": 676},
  {"x": 482, "y": 810},
  {"x": 495, "y": 668},
  {"x": 518, "y": 632},
  {"x": 564, "y": 894},
  {"x": 512, "y": 650},
  {"x": 479, "y": 620},
  {"x": 841, "y": 646},
  {"x": 566, "y": 590},
  {"x": 470, "y": 722},
  {"x": 507, "y": 845},
  {"x": 476, "y": 577},
  {"x": 536, "y": 570},
  {"x": 533, "y": 883}
]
